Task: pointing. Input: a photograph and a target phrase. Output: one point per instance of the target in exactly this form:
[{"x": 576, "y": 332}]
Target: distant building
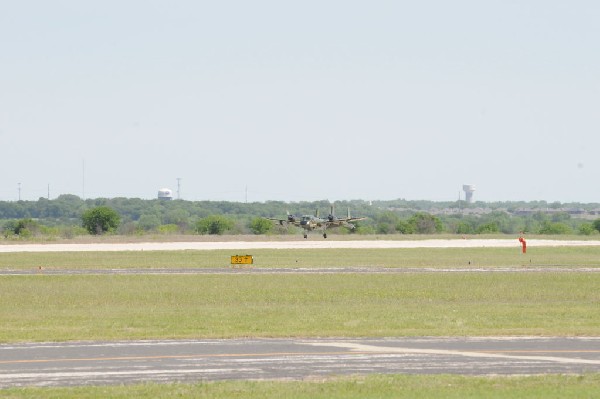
[
  {"x": 469, "y": 189},
  {"x": 165, "y": 194}
]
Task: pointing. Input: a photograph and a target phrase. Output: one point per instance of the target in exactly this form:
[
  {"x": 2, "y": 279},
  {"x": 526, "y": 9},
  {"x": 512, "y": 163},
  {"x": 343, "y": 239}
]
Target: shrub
[
  {"x": 261, "y": 226},
  {"x": 23, "y": 228},
  {"x": 554, "y": 228},
  {"x": 100, "y": 220},
  {"x": 488, "y": 228},
  {"x": 587, "y": 229},
  {"x": 424, "y": 223},
  {"x": 215, "y": 224}
]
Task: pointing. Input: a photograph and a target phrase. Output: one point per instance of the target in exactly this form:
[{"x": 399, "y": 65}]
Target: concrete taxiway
[
  {"x": 306, "y": 244},
  {"x": 98, "y": 363}
]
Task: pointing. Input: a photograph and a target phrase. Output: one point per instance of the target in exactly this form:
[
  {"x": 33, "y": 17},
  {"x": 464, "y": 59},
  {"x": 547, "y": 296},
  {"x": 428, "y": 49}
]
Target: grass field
[
  {"x": 57, "y": 308},
  {"x": 374, "y": 386},
  {"x": 44, "y": 307},
  {"x": 293, "y": 258}
]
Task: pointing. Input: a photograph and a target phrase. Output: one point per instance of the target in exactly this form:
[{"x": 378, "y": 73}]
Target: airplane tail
[{"x": 331, "y": 216}]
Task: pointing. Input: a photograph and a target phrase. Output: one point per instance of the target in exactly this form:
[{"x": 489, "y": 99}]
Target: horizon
[{"x": 474, "y": 202}]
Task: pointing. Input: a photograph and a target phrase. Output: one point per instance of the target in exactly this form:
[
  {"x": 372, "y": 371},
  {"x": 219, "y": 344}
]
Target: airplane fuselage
[{"x": 311, "y": 223}]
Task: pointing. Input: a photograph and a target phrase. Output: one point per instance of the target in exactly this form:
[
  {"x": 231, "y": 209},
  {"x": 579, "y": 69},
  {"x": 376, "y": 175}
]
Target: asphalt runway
[
  {"x": 329, "y": 270},
  {"x": 101, "y": 363}
]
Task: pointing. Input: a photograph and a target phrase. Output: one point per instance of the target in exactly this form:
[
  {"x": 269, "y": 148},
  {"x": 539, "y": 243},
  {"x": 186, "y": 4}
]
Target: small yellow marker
[{"x": 242, "y": 260}]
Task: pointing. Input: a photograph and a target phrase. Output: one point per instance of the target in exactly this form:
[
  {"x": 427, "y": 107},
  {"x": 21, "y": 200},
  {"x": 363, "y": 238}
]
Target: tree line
[{"x": 68, "y": 216}]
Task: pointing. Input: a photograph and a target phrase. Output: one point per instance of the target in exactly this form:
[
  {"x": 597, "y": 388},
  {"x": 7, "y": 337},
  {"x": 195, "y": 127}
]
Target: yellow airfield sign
[{"x": 242, "y": 260}]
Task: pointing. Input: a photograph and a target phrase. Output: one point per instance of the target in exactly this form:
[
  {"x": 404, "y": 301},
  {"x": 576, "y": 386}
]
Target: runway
[
  {"x": 306, "y": 244},
  {"x": 101, "y": 363}
]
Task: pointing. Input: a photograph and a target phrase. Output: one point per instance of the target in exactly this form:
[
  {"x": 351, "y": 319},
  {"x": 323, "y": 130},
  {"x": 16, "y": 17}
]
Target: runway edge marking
[{"x": 401, "y": 350}]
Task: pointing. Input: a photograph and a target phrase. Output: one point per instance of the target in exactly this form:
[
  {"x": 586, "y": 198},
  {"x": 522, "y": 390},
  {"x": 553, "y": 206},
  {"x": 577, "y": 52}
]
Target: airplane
[{"x": 310, "y": 222}]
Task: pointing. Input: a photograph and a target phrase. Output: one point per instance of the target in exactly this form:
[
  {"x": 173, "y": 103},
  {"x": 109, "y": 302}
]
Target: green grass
[
  {"x": 110, "y": 307},
  {"x": 288, "y": 258},
  {"x": 374, "y": 386}
]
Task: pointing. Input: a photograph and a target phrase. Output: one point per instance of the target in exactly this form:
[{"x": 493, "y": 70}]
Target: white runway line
[{"x": 399, "y": 350}]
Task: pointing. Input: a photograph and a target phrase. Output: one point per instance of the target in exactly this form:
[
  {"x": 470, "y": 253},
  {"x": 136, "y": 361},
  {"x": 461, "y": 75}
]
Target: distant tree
[
  {"x": 168, "y": 229},
  {"x": 488, "y": 228},
  {"x": 555, "y": 205},
  {"x": 561, "y": 217},
  {"x": 364, "y": 230},
  {"x": 148, "y": 222},
  {"x": 424, "y": 223},
  {"x": 587, "y": 229},
  {"x": 177, "y": 216},
  {"x": 127, "y": 228},
  {"x": 539, "y": 217},
  {"x": 69, "y": 198},
  {"x": 261, "y": 225},
  {"x": 555, "y": 228},
  {"x": 386, "y": 222},
  {"x": 504, "y": 222},
  {"x": 596, "y": 224},
  {"x": 464, "y": 228},
  {"x": 215, "y": 224},
  {"x": 22, "y": 228},
  {"x": 404, "y": 227},
  {"x": 387, "y": 217},
  {"x": 100, "y": 220}
]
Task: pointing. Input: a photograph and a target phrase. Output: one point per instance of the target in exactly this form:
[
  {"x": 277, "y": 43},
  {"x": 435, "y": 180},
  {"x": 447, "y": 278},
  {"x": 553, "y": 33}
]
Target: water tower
[
  {"x": 165, "y": 194},
  {"x": 469, "y": 189}
]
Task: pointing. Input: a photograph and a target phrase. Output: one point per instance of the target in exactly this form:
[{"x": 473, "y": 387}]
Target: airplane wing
[
  {"x": 335, "y": 221},
  {"x": 352, "y": 219},
  {"x": 346, "y": 222},
  {"x": 290, "y": 219},
  {"x": 341, "y": 220}
]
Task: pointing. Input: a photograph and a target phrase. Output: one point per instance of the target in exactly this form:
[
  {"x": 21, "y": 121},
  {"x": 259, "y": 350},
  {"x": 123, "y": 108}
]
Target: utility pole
[
  {"x": 19, "y": 189},
  {"x": 83, "y": 178},
  {"x": 179, "y": 188}
]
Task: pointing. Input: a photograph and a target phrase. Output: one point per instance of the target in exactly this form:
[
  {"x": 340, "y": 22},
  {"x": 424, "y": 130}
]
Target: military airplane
[{"x": 310, "y": 222}]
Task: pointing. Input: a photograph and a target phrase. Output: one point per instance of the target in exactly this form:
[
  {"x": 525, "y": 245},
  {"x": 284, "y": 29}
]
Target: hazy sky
[{"x": 304, "y": 100}]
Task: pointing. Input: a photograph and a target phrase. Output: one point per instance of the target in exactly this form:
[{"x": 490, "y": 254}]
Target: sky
[{"x": 300, "y": 101}]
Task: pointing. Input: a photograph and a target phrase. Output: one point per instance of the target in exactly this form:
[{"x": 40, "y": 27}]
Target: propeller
[
  {"x": 291, "y": 218},
  {"x": 331, "y": 216}
]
